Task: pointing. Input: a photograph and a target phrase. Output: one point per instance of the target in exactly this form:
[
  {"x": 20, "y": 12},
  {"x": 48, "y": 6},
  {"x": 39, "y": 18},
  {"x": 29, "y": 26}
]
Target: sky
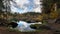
[{"x": 23, "y": 6}]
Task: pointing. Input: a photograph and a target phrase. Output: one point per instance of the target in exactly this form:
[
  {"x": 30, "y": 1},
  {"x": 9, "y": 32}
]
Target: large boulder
[
  {"x": 41, "y": 27},
  {"x": 13, "y": 24},
  {"x": 58, "y": 21},
  {"x": 3, "y": 22}
]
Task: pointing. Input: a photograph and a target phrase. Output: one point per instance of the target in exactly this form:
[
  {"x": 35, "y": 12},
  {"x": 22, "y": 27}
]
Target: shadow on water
[{"x": 21, "y": 26}]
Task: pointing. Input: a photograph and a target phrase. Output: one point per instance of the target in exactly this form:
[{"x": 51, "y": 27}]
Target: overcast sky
[{"x": 23, "y": 6}]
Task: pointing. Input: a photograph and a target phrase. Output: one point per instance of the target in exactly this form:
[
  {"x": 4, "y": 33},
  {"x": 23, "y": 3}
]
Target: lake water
[{"x": 24, "y": 26}]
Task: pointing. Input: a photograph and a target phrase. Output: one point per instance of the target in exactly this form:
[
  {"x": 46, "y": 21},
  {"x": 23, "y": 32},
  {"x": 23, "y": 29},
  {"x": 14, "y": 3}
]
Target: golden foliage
[
  {"x": 45, "y": 16},
  {"x": 53, "y": 15},
  {"x": 40, "y": 18}
]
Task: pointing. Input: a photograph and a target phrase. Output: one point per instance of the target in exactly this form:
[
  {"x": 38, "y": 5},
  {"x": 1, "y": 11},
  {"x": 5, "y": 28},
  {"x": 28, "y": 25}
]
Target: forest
[{"x": 50, "y": 17}]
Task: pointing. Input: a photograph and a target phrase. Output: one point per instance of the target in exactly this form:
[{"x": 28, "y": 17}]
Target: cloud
[
  {"x": 23, "y": 6},
  {"x": 21, "y": 2},
  {"x": 38, "y": 9},
  {"x": 37, "y": 1}
]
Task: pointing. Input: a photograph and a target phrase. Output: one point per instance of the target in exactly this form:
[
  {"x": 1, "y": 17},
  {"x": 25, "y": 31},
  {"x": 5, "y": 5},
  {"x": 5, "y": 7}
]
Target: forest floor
[{"x": 4, "y": 30}]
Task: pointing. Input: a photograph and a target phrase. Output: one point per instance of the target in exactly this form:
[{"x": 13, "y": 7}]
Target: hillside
[{"x": 31, "y": 16}]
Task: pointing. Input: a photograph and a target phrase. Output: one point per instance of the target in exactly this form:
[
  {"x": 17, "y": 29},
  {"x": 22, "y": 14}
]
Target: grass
[
  {"x": 10, "y": 29},
  {"x": 44, "y": 22}
]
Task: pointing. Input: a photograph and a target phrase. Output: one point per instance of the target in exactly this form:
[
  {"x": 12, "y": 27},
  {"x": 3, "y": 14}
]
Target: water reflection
[{"x": 24, "y": 26}]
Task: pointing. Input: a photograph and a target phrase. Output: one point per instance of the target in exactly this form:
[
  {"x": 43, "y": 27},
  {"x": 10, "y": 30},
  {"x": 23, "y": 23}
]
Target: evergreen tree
[{"x": 49, "y": 4}]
